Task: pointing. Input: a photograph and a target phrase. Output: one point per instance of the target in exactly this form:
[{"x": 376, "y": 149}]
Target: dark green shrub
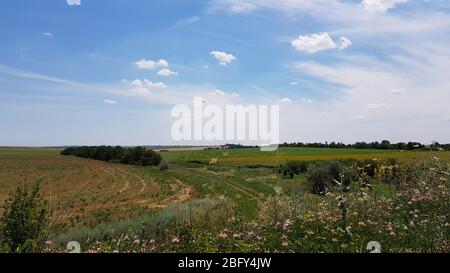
[
  {"x": 24, "y": 221},
  {"x": 133, "y": 156},
  {"x": 319, "y": 177},
  {"x": 323, "y": 174}
]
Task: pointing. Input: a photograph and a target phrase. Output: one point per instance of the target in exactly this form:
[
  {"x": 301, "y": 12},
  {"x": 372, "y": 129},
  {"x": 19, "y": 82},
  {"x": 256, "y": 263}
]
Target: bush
[
  {"x": 163, "y": 166},
  {"x": 319, "y": 177},
  {"x": 322, "y": 175},
  {"x": 24, "y": 221},
  {"x": 298, "y": 167}
]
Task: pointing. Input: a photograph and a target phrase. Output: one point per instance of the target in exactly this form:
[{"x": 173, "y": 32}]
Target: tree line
[
  {"x": 131, "y": 156},
  {"x": 383, "y": 145}
]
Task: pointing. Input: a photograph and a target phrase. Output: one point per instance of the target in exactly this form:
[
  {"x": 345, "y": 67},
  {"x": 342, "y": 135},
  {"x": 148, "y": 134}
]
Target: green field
[{"x": 281, "y": 155}]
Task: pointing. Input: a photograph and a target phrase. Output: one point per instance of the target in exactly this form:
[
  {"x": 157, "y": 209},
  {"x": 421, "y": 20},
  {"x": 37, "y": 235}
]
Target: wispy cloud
[
  {"x": 108, "y": 101},
  {"x": 34, "y": 76},
  {"x": 73, "y": 2}
]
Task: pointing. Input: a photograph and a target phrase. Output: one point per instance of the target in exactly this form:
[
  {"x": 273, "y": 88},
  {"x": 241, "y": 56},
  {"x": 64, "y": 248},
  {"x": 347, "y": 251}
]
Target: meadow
[{"x": 224, "y": 195}]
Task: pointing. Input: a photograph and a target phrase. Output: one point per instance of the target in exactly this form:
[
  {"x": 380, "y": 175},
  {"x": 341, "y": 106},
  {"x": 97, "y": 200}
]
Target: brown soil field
[{"x": 87, "y": 192}]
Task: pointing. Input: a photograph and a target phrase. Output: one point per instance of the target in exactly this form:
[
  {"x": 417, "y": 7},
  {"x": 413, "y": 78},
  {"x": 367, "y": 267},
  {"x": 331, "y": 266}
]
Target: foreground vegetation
[{"x": 295, "y": 206}]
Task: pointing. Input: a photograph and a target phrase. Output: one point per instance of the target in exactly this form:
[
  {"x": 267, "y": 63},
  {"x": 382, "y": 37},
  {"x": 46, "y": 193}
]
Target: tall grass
[{"x": 201, "y": 212}]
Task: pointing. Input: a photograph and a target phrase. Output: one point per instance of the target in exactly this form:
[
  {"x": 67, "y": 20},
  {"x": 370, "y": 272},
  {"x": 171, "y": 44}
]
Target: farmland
[
  {"x": 281, "y": 155},
  {"x": 85, "y": 194}
]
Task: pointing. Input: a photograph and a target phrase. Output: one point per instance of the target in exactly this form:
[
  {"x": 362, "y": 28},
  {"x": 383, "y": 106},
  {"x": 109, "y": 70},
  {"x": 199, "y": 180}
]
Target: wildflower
[
  {"x": 223, "y": 235},
  {"x": 136, "y": 242},
  {"x": 287, "y": 224},
  {"x": 175, "y": 240},
  {"x": 48, "y": 242},
  {"x": 115, "y": 251}
]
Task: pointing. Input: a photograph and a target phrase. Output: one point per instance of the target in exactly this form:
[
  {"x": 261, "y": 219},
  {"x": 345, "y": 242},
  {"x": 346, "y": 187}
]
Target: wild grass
[{"x": 151, "y": 225}]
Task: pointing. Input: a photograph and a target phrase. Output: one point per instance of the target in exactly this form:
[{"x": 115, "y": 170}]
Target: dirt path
[
  {"x": 246, "y": 191},
  {"x": 182, "y": 193}
]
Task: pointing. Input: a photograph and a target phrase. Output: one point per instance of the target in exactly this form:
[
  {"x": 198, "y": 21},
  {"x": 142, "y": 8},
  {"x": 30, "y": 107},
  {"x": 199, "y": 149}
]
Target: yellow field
[{"x": 275, "y": 159}]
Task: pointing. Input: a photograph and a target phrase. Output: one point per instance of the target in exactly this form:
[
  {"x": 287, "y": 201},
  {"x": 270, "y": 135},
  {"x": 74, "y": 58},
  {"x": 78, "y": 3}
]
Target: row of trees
[
  {"x": 132, "y": 156},
  {"x": 383, "y": 145}
]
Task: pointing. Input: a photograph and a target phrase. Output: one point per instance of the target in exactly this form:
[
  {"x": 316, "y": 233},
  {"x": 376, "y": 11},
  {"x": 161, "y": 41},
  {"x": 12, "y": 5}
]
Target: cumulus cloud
[
  {"x": 145, "y": 87},
  {"x": 47, "y": 35},
  {"x": 107, "y": 101},
  {"x": 314, "y": 43},
  {"x": 381, "y": 5},
  {"x": 235, "y": 95},
  {"x": 154, "y": 85},
  {"x": 73, "y": 2},
  {"x": 344, "y": 42},
  {"x": 167, "y": 72},
  {"x": 152, "y": 65},
  {"x": 137, "y": 83},
  {"x": 223, "y": 57}
]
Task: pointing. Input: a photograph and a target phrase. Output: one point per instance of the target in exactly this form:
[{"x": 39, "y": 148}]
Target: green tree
[{"x": 24, "y": 221}]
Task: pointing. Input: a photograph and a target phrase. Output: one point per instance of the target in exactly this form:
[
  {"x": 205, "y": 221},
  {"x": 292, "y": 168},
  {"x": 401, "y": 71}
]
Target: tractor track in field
[{"x": 246, "y": 191}]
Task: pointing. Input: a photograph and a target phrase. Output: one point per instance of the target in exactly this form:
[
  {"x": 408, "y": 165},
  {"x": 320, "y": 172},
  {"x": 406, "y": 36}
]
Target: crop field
[
  {"x": 86, "y": 192},
  {"x": 281, "y": 155},
  {"x": 91, "y": 198}
]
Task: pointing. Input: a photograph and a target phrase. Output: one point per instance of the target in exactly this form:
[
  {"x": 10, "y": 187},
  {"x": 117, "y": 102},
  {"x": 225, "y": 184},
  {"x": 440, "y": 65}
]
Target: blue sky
[{"x": 109, "y": 72}]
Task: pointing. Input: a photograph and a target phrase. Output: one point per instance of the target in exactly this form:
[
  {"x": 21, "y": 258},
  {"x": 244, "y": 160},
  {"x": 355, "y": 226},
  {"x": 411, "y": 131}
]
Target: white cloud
[
  {"x": 287, "y": 100},
  {"x": 73, "y": 2},
  {"x": 151, "y": 65},
  {"x": 154, "y": 85},
  {"x": 344, "y": 42},
  {"x": 306, "y": 100},
  {"x": 241, "y": 7},
  {"x": 193, "y": 19},
  {"x": 381, "y": 5},
  {"x": 218, "y": 92},
  {"x": 398, "y": 91},
  {"x": 167, "y": 72},
  {"x": 379, "y": 105},
  {"x": 35, "y": 76},
  {"x": 137, "y": 83},
  {"x": 47, "y": 34},
  {"x": 107, "y": 101},
  {"x": 222, "y": 57},
  {"x": 235, "y": 95},
  {"x": 314, "y": 43},
  {"x": 294, "y": 83}
]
